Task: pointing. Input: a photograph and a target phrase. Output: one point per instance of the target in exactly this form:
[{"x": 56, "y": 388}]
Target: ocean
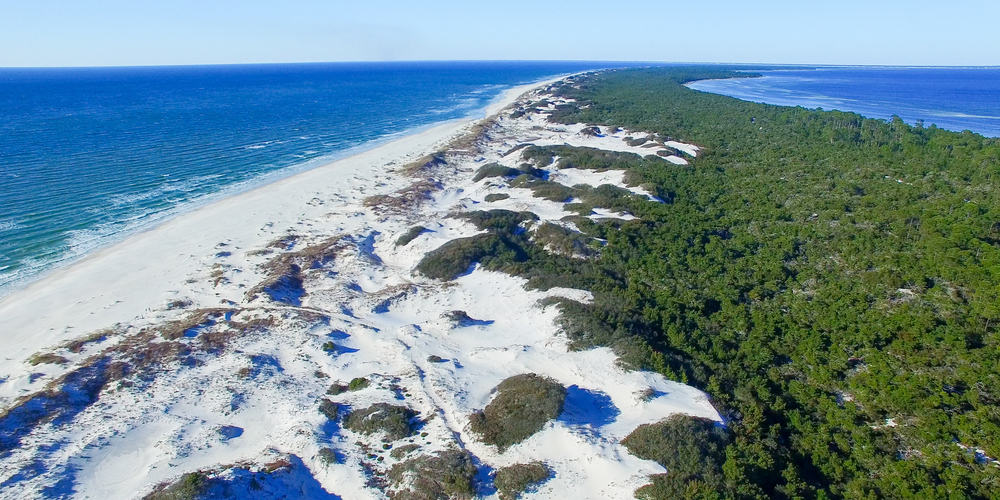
[
  {"x": 950, "y": 98},
  {"x": 91, "y": 155}
]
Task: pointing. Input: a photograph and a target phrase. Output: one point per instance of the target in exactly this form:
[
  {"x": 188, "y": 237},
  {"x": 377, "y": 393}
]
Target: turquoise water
[
  {"x": 90, "y": 155},
  {"x": 950, "y": 98}
]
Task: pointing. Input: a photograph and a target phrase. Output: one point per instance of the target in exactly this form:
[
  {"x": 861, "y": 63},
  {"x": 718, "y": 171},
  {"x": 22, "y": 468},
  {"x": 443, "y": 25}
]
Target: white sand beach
[
  {"x": 134, "y": 278},
  {"x": 255, "y": 377}
]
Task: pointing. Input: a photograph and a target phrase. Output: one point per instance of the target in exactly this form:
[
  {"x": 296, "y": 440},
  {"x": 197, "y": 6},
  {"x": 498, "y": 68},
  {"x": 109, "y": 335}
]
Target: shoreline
[
  {"x": 869, "y": 107},
  {"x": 61, "y": 303},
  {"x": 229, "y": 336},
  {"x": 531, "y": 299},
  {"x": 63, "y": 263}
]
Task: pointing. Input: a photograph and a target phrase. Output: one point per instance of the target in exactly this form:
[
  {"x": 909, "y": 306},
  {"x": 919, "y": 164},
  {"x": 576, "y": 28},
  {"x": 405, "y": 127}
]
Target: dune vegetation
[
  {"x": 830, "y": 281},
  {"x": 521, "y": 407}
]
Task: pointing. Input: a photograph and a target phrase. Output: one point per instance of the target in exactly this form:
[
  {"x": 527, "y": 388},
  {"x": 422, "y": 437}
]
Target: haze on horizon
[{"x": 123, "y": 33}]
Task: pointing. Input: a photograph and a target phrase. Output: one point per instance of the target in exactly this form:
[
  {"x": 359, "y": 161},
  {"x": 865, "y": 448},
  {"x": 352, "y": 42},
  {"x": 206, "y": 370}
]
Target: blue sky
[{"x": 138, "y": 32}]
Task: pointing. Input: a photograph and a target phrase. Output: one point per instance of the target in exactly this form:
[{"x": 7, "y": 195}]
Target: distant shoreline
[{"x": 826, "y": 87}]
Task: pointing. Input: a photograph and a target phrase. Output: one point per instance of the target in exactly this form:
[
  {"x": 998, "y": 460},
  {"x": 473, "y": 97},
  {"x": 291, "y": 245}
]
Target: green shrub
[
  {"x": 454, "y": 258},
  {"x": 692, "y": 449},
  {"x": 586, "y": 158},
  {"x": 538, "y": 155},
  {"x": 552, "y": 191},
  {"x": 548, "y": 190},
  {"x": 667, "y": 487},
  {"x": 358, "y": 383},
  {"x": 607, "y": 196},
  {"x": 681, "y": 443},
  {"x": 601, "y": 228},
  {"x": 401, "y": 451},
  {"x": 522, "y": 406},
  {"x": 513, "y": 480},
  {"x": 541, "y": 103},
  {"x": 495, "y": 170},
  {"x": 582, "y": 325},
  {"x": 498, "y": 220},
  {"x": 565, "y": 241},
  {"x": 445, "y": 475},
  {"x": 531, "y": 171},
  {"x": 496, "y": 197},
  {"x": 410, "y": 235},
  {"x": 190, "y": 486},
  {"x": 395, "y": 421}
]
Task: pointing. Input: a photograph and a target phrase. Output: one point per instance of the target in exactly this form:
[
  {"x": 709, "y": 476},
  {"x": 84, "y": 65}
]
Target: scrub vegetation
[
  {"x": 829, "y": 280},
  {"x": 513, "y": 480},
  {"x": 691, "y": 449},
  {"x": 395, "y": 422},
  {"x": 522, "y": 406},
  {"x": 190, "y": 486},
  {"x": 447, "y": 474},
  {"x": 410, "y": 235}
]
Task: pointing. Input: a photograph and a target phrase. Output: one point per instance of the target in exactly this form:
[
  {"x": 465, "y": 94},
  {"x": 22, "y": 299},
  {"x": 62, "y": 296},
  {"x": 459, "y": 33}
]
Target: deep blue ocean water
[
  {"x": 951, "y": 98},
  {"x": 90, "y": 155}
]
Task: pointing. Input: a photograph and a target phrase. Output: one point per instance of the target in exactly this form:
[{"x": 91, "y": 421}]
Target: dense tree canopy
[{"x": 833, "y": 282}]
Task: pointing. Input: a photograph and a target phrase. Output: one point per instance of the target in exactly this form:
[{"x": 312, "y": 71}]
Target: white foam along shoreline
[
  {"x": 46, "y": 267},
  {"x": 132, "y": 279},
  {"x": 254, "y": 388}
]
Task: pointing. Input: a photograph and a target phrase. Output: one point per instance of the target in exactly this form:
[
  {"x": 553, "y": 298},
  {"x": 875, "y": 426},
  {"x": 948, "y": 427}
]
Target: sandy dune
[{"x": 219, "y": 332}]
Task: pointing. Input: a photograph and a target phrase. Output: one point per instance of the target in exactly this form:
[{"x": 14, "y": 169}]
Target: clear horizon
[
  {"x": 53, "y": 33},
  {"x": 406, "y": 61}
]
